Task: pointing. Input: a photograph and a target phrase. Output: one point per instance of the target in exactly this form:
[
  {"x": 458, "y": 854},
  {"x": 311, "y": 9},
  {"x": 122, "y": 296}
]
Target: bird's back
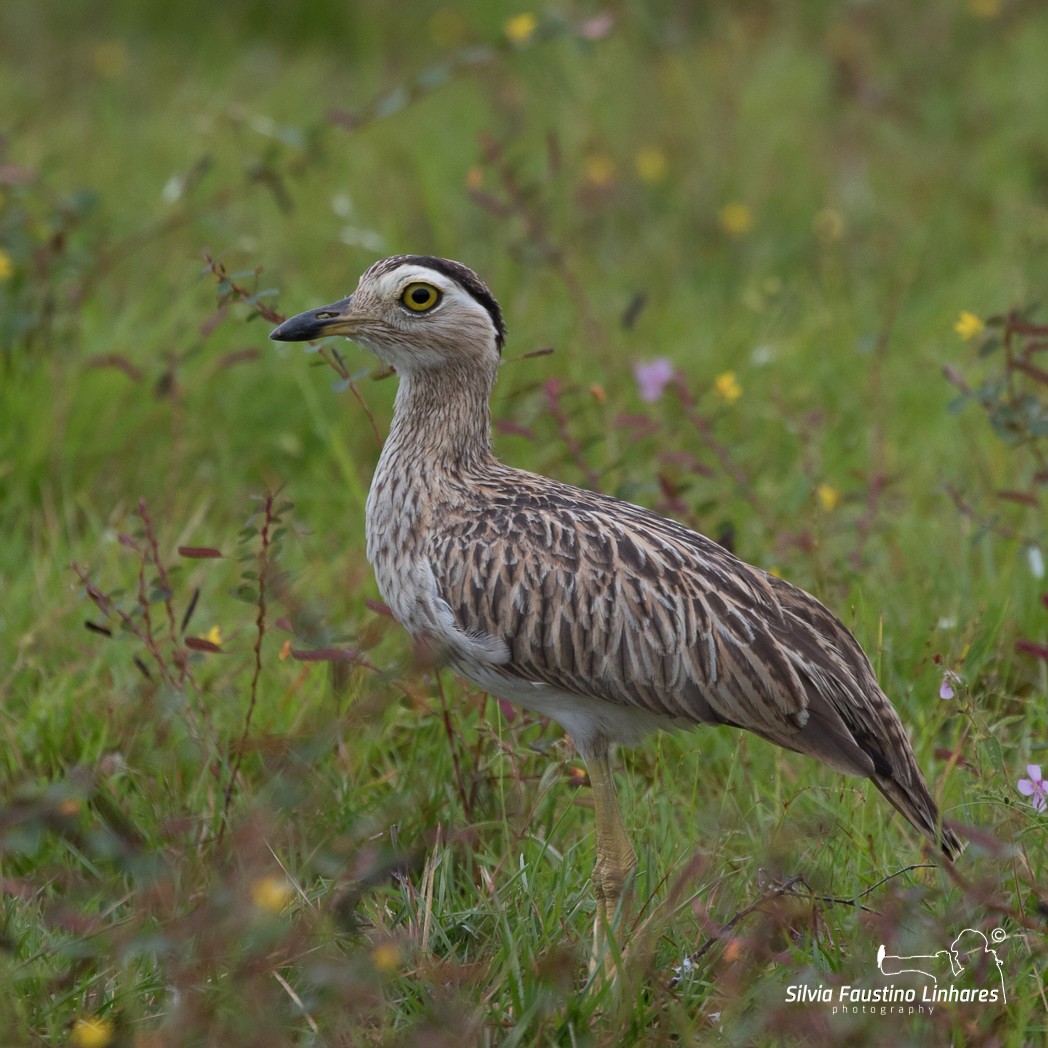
[{"x": 534, "y": 586}]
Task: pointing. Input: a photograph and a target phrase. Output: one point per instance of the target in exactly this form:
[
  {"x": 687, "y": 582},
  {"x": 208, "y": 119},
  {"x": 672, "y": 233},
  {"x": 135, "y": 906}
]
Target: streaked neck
[{"x": 441, "y": 420}]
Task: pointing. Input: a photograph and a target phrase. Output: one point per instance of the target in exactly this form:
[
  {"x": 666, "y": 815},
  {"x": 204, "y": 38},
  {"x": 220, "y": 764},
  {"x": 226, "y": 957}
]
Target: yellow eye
[{"x": 419, "y": 297}]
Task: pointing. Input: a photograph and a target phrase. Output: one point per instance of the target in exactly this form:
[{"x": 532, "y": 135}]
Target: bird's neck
[
  {"x": 439, "y": 446},
  {"x": 441, "y": 422}
]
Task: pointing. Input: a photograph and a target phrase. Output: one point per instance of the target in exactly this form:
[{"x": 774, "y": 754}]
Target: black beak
[{"x": 315, "y": 323}]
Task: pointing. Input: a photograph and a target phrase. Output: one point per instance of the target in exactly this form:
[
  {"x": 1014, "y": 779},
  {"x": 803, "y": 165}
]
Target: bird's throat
[{"x": 441, "y": 418}]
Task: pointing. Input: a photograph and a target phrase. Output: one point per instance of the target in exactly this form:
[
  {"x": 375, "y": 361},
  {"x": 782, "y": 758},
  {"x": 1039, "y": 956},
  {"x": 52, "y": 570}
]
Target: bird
[{"x": 608, "y": 618}]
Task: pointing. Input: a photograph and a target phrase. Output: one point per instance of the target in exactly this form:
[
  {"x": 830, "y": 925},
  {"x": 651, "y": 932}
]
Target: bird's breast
[{"x": 399, "y": 518}]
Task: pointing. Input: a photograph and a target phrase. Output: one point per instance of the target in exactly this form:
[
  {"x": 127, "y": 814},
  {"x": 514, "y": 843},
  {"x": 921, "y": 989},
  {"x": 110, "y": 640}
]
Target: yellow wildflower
[
  {"x": 214, "y": 635},
  {"x": 599, "y": 169},
  {"x": 7, "y": 267},
  {"x": 735, "y": 218},
  {"x": 386, "y": 957},
  {"x": 92, "y": 1033},
  {"x": 521, "y": 28},
  {"x": 968, "y": 325},
  {"x": 651, "y": 164},
  {"x": 829, "y": 497},
  {"x": 270, "y": 893},
  {"x": 727, "y": 387}
]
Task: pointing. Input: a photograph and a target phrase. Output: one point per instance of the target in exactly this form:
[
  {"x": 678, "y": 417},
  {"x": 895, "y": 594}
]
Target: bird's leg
[{"x": 615, "y": 858}]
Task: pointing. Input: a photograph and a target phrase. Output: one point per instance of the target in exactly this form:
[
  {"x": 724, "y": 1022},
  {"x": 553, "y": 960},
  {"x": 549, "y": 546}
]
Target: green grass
[{"x": 249, "y": 847}]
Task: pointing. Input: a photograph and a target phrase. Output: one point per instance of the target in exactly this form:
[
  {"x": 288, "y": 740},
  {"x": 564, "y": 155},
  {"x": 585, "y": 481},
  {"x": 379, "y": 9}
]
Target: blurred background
[
  {"x": 771, "y": 268},
  {"x": 803, "y": 194}
]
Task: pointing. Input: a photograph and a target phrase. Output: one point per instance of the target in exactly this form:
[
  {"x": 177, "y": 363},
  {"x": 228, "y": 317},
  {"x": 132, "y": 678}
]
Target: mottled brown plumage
[{"x": 603, "y": 615}]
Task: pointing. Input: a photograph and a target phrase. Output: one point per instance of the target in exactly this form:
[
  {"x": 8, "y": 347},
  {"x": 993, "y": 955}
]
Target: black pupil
[{"x": 420, "y": 296}]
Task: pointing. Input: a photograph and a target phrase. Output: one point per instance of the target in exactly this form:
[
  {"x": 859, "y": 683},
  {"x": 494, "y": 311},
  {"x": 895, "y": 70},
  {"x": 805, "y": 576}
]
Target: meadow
[{"x": 774, "y": 269}]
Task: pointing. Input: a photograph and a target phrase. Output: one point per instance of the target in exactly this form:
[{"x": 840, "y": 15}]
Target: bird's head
[{"x": 413, "y": 312}]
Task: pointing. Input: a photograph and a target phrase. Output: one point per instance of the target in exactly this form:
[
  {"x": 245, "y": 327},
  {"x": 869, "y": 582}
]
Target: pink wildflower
[
  {"x": 1034, "y": 787},
  {"x": 652, "y": 378}
]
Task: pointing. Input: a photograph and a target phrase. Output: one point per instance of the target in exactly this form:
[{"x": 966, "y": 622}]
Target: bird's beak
[{"x": 316, "y": 323}]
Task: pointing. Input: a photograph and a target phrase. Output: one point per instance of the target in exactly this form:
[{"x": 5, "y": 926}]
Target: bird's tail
[{"x": 914, "y": 800}]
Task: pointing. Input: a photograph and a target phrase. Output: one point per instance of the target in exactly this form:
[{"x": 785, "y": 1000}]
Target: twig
[
  {"x": 520, "y": 202},
  {"x": 704, "y": 428},
  {"x": 787, "y": 887},
  {"x": 260, "y": 632},
  {"x": 352, "y": 387},
  {"x": 862, "y": 895},
  {"x": 552, "y": 390},
  {"x": 144, "y": 632},
  {"x": 772, "y": 893},
  {"x": 238, "y": 293},
  {"x": 165, "y": 586},
  {"x": 987, "y": 524},
  {"x": 105, "y": 605}
]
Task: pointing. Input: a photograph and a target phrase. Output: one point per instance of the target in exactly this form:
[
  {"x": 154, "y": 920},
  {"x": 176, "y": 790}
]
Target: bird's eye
[{"x": 420, "y": 298}]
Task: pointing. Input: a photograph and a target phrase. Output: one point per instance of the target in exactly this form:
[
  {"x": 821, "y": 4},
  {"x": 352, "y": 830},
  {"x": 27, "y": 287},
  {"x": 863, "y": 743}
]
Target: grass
[{"x": 304, "y": 836}]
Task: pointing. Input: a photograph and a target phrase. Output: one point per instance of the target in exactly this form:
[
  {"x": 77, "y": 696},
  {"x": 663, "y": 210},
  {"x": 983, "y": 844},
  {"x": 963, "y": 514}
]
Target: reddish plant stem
[
  {"x": 704, "y": 428},
  {"x": 552, "y": 390},
  {"x": 154, "y": 557},
  {"x": 260, "y": 632}
]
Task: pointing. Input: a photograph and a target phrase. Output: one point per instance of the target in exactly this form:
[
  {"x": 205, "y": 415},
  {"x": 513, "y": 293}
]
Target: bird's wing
[{"x": 602, "y": 598}]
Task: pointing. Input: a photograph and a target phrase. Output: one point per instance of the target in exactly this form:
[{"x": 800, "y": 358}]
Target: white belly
[{"x": 587, "y": 720}]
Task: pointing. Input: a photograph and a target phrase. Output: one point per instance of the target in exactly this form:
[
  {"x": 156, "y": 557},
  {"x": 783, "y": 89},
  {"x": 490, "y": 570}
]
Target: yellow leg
[{"x": 615, "y": 859}]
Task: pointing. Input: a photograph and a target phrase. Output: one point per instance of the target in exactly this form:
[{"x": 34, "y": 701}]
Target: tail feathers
[
  {"x": 915, "y": 803},
  {"x": 868, "y": 739}
]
